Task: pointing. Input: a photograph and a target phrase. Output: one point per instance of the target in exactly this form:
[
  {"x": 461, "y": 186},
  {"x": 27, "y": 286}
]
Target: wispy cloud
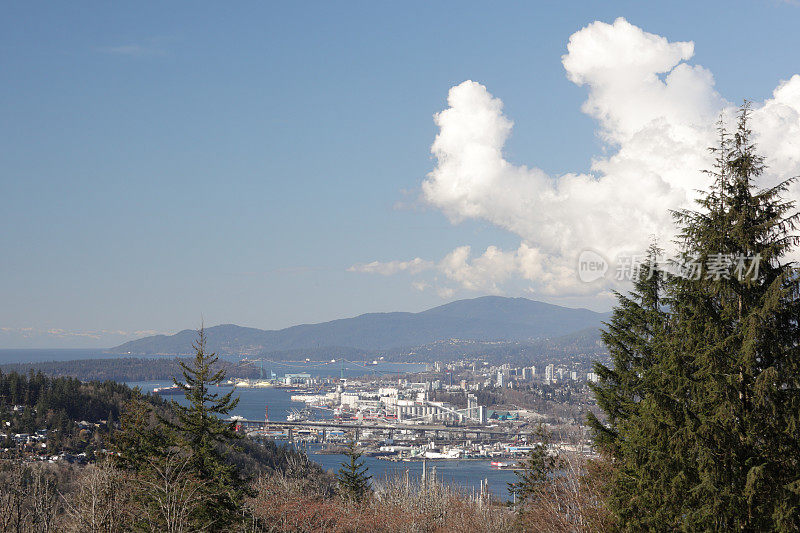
[
  {"x": 31, "y": 332},
  {"x": 414, "y": 266}
]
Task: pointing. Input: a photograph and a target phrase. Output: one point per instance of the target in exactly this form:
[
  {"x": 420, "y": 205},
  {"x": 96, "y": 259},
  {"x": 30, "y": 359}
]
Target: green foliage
[
  {"x": 631, "y": 337},
  {"x": 703, "y": 394},
  {"x": 535, "y": 470},
  {"x": 141, "y": 436},
  {"x": 169, "y": 484},
  {"x": 352, "y": 476}
]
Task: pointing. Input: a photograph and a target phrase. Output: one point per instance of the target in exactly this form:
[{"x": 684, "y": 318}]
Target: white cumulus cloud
[{"x": 655, "y": 112}]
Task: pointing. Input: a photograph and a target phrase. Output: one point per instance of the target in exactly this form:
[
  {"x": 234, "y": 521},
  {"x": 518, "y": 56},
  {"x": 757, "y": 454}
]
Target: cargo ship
[{"x": 168, "y": 391}]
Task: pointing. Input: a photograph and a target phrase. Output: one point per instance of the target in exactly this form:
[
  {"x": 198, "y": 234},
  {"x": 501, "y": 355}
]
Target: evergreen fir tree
[
  {"x": 710, "y": 440},
  {"x": 638, "y": 426},
  {"x": 740, "y": 331},
  {"x": 535, "y": 470},
  {"x": 352, "y": 476},
  {"x": 200, "y": 430},
  {"x": 630, "y": 336},
  {"x": 141, "y": 437}
]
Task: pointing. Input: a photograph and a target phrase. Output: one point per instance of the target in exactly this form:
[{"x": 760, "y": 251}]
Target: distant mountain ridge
[{"x": 489, "y": 318}]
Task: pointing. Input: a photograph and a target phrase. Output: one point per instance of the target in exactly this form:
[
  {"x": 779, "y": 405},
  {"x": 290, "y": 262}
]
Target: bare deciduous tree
[
  {"x": 12, "y": 500},
  {"x": 169, "y": 495},
  {"x": 44, "y": 499},
  {"x": 29, "y": 499},
  {"x": 100, "y": 502}
]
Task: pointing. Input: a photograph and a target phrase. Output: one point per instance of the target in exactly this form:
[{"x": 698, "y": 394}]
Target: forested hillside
[
  {"x": 82, "y": 417},
  {"x": 36, "y": 402},
  {"x": 122, "y": 369}
]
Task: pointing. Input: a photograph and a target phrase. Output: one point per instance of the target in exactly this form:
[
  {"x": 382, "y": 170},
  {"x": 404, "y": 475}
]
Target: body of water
[
  {"x": 466, "y": 474},
  {"x": 44, "y": 355},
  {"x": 337, "y": 368}
]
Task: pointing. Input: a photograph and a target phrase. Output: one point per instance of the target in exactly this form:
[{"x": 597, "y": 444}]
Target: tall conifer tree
[
  {"x": 630, "y": 337},
  {"x": 713, "y": 439},
  {"x": 352, "y": 476},
  {"x": 201, "y": 432},
  {"x": 741, "y": 332},
  {"x": 637, "y": 432}
]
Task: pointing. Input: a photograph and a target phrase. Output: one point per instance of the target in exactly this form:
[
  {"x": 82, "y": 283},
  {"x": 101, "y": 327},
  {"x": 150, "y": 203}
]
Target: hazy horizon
[{"x": 201, "y": 323}]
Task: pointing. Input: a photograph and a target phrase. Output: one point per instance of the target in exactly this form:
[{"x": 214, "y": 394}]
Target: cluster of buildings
[
  {"x": 287, "y": 380},
  {"x": 454, "y": 393},
  {"x": 484, "y": 376},
  {"x": 407, "y": 403},
  {"x": 33, "y": 445},
  {"x": 472, "y": 376},
  {"x": 26, "y": 439}
]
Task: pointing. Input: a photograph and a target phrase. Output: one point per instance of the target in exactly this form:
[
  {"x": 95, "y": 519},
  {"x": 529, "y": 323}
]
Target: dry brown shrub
[
  {"x": 284, "y": 503},
  {"x": 398, "y": 504},
  {"x": 570, "y": 502}
]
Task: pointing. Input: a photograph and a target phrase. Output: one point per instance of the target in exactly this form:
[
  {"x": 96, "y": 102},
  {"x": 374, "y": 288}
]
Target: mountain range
[{"x": 487, "y": 319}]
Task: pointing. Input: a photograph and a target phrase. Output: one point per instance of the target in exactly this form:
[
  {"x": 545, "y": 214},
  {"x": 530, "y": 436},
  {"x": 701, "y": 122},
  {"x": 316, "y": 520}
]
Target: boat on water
[
  {"x": 167, "y": 391},
  {"x": 504, "y": 465}
]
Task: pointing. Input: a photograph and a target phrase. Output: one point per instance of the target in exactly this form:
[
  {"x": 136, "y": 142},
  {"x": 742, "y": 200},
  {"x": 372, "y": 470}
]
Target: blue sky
[{"x": 166, "y": 162}]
